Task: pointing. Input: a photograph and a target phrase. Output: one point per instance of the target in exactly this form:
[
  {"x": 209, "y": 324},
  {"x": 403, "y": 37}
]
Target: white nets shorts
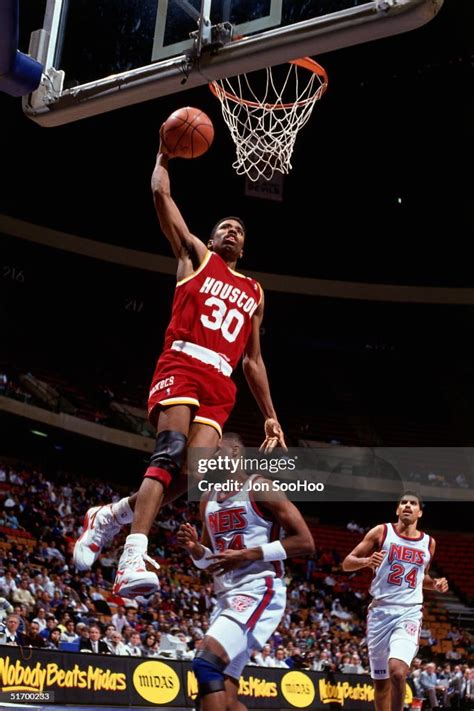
[
  {"x": 392, "y": 633},
  {"x": 245, "y": 618}
]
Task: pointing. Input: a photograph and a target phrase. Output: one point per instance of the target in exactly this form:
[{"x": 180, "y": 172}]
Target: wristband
[
  {"x": 273, "y": 551},
  {"x": 204, "y": 561}
]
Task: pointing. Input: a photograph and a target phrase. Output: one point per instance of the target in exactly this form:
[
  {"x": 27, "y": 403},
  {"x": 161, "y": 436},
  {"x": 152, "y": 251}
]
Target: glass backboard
[{"x": 99, "y": 55}]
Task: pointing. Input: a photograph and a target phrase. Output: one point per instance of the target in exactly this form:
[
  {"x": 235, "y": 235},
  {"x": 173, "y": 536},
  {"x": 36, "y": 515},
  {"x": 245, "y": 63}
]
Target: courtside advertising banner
[{"x": 35, "y": 676}]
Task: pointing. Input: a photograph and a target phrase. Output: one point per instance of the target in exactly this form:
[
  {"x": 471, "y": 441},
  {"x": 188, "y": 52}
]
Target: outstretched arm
[
  {"x": 187, "y": 248},
  {"x": 257, "y": 379},
  {"x": 366, "y": 554}
]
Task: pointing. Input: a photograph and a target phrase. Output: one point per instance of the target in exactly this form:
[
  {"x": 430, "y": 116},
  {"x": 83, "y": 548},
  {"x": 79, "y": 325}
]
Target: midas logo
[
  {"x": 16, "y": 677},
  {"x": 338, "y": 693},
  {"x": 156, "y": 682},
  {"x": 298, "y": 689}
]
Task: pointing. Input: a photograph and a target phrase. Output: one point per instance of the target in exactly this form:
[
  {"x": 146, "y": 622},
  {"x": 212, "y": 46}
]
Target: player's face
[
  {"x": 409, "y": 509},
  {"x": 228, "y": 240}
]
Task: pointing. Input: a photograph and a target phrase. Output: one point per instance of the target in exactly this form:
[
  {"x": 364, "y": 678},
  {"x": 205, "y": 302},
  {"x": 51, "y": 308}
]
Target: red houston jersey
[{"x": 213, "y": 307}]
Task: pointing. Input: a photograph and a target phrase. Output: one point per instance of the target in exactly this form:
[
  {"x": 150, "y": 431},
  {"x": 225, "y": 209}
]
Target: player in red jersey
[{"x": 216, "y": 317}]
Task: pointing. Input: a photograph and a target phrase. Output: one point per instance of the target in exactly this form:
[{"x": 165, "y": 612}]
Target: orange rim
[{"x": 305, "y": 62}]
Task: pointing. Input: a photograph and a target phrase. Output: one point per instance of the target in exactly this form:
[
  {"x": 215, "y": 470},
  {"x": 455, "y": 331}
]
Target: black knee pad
[
  {"x": 168, "y": 456},
  {"x": 209, "y": 671}
]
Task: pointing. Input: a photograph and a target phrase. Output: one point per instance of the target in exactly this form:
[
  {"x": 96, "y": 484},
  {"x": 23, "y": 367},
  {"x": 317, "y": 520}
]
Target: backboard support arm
[{"x": 372, "y": 20}]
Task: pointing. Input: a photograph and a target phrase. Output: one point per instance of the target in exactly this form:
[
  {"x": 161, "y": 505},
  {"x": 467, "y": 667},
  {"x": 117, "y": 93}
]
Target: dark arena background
[{"x": 364, "y": 254}]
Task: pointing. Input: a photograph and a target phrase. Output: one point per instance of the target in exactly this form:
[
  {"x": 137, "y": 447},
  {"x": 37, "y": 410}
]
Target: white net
[{"x": 264, "y": 112}]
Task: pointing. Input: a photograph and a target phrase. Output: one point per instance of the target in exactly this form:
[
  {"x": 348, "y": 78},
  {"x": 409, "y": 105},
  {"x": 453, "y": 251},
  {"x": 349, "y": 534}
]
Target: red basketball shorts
[{"x": 180, "y": 379}]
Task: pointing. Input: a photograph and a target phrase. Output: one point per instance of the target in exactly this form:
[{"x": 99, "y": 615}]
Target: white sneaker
[
  {"x": 134, "y": 576},
  {"x": 99, "y": 528}
]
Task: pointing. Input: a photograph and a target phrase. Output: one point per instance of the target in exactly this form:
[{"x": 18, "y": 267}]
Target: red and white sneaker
[
  {"x": 99, "y": 528},
  {"x": 135, "y": 574}
]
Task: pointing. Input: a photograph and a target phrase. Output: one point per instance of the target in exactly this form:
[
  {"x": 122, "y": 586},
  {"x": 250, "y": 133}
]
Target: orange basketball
[{"x": 187, "y": 133}]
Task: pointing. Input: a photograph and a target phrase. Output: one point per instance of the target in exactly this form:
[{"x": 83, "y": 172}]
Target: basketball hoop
[{"x": 264, "y": 129}]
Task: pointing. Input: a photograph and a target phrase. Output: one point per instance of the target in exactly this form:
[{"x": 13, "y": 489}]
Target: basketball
[{"x": 187, "y": 133}]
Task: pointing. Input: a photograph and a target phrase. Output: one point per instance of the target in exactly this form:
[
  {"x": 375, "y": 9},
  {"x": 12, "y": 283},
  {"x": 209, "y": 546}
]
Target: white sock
[
  {"x": 122, "y": 511},
  {"x": 137, "y": 540}
]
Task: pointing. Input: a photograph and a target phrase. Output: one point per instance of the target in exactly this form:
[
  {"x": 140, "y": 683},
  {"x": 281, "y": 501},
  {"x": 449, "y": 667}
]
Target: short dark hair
[
  {"x": 411, "y": 493},
  {"x": 223, "y": 219},
  {"x": 234, "y": 436}
]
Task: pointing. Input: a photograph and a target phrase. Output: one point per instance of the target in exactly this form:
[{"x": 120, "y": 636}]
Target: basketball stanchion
[{"x": 265, "y": 110}]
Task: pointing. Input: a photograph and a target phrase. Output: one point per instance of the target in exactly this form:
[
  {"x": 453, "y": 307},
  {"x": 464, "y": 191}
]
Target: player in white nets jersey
[
  {"x": 400, "y": 555},
  {"x": 241, "y": 546}
]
